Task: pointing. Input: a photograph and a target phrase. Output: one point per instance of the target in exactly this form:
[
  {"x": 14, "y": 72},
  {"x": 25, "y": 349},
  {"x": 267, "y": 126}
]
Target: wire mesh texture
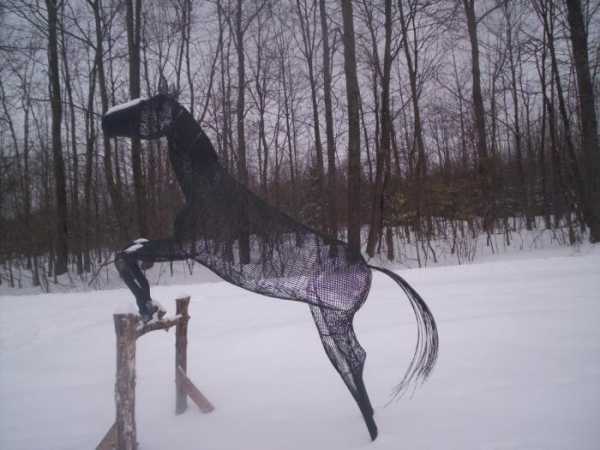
[{"x": 236, "y": 234}]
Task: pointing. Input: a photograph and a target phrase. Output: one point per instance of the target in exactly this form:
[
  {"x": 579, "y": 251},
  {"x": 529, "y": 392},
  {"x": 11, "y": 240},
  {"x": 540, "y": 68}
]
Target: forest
[{"x": 376, "y": 121}]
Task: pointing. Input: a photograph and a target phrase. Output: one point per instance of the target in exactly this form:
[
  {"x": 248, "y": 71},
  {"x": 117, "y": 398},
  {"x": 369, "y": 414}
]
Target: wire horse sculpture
[{"x": 244, "y": 240}]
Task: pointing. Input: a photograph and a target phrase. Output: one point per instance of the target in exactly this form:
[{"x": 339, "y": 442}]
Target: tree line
[{"x": 376, "y": 121}]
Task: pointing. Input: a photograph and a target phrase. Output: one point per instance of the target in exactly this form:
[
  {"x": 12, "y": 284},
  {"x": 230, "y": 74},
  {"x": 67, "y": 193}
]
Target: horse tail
[{"x": 426, "y": 348}]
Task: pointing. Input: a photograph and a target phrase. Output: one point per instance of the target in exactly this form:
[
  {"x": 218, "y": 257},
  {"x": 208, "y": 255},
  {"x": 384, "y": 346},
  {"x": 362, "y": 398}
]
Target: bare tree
[
  {"x": 75, "y": 229},
  {"x": 412, "y": 54},
  {"x": 566, "y": 168},
  {"x": 589, "y": 123},
  {"x": 289, "y": 96},
  {"x": 62, "y": 233},
  {"x": 329, "y": 131},
  {"x": 307, "y": 17},
  {"x": 353, "y": 100},
  {"x": 261, "y": 74},
  {"x": 512, "y": 48},
  {"x": 101, "y": 27},
  {"x": 240, "y": 25},
  {"x": 485, "y": 164},
  {"x": 134, "y": 24},
  {"x": 382, "y": 156}
]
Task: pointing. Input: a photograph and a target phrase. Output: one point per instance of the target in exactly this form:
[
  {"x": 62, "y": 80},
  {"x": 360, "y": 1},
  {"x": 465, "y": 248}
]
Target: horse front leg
[{"x": 142, "y": 254}]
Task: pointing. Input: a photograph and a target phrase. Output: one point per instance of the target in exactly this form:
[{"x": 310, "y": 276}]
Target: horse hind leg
[{"x": 346, "y": 355}]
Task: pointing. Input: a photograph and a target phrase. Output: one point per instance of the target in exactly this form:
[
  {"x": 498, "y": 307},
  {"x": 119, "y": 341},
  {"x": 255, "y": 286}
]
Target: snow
[
  {"x": 133, "y": 248},
  {"x": 518, "y": 368},
  {"x": 159, "y": 304},
  {"x": 125, "y": 105}
]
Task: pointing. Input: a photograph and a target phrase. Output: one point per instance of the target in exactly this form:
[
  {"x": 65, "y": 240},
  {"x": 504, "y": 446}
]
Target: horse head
[{"x": 144, "y": 118}]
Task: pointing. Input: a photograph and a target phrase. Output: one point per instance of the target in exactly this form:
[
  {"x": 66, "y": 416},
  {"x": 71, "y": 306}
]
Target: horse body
[
  {"x": 251, "y": 244},
  {"x": 287, "y": 260}
]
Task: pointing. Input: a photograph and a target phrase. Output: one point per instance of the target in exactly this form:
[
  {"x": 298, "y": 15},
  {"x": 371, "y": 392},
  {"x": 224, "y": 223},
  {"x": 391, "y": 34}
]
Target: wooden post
[
  {"x": 125, "y": 328},
  {"x": 181, "y": 352}
]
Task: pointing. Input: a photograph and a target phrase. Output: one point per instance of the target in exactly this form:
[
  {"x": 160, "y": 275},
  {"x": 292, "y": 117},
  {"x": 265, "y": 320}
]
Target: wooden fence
[{"x": 122, "y": 435}]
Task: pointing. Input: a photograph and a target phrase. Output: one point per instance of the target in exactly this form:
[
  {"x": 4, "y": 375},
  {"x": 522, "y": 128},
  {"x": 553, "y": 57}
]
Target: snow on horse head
[{"x": 246, "y": 241}]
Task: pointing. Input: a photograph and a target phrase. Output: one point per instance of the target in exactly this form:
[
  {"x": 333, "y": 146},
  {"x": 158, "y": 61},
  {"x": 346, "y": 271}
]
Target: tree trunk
[
  {"x": 329, "y": 131},
  {"x": 353, "y": 99},
  {"x": 589, "y": 124},
  {"x": 308, "y": 40},
  {"x": 382, "y": 156},
  {"x": 421, "y": 166},
  {"x": 89, "y": 164},
  {"x": 485, "y": 176},
  {"x": 134, "y": 24},
  {"x": 61, "y": 237},
  {"x": 225, "y": 85},
  {"x": 541, "y": 68},
  {"x": 188, "y": 5},
  {"x": 261, "y": 77},
  {"x": 244, "y": 238},
  {"x": 114, "y": 192},
  {"x": 574, "y": 180},
  {"x": 75, "y": 213},
  {"x": 521, "y": 191}
]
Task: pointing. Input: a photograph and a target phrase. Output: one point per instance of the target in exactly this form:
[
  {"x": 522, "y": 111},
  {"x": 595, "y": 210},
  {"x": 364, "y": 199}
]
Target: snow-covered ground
[{"x": 519, "y": 365}]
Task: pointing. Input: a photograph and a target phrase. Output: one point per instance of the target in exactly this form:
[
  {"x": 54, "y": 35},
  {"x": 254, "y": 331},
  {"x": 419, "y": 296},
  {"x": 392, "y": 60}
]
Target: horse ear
[
  {"x": 173, "y": 92},
  {"x": 165, "y": 89},
  {"x": 163, "y": 86}
]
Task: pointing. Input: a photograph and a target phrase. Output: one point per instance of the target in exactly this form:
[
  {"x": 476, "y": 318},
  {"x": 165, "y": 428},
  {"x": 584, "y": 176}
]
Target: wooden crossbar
[
  {"x": 109, "y": 441},
  {"x": 193, "y": 392},
  {"x": 162, "y": 324}
]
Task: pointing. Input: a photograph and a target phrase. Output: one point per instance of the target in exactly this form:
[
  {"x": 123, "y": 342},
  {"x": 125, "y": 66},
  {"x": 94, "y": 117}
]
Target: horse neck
[
  {"x": 188, "y": 140},
  {"x": 193, "y": 158}
]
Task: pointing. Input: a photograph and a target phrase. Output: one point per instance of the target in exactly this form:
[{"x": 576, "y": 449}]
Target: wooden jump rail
[{"x": 128, "y": 327}]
